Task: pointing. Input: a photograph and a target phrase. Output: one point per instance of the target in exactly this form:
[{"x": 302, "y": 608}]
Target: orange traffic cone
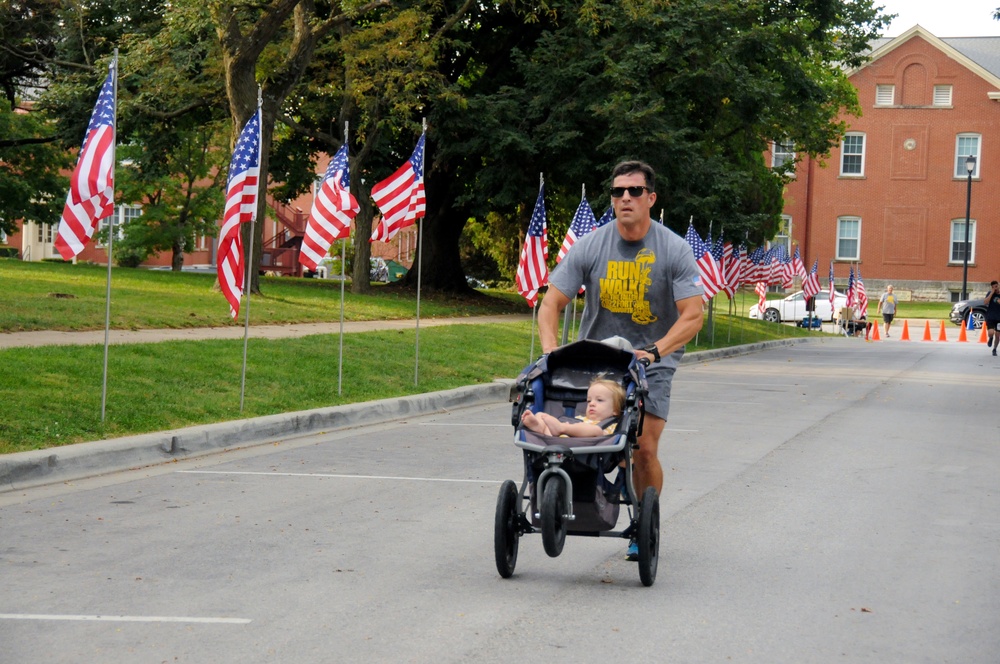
[
  {"x": 905, "y": 336},
  {"x": 983, "y": 337},
  {"x": 961, "y": 333},
  {"x": 942, "y": 336},
  {"x": 875, "y": 336},
  {"x": 927, "y": 331}
]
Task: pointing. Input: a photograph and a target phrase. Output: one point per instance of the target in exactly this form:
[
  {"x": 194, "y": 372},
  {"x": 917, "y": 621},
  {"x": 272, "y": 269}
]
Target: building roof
[{"x": 979, "y": 54}]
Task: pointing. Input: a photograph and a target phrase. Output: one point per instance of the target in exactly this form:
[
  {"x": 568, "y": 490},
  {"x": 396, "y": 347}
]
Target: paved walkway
[{"x": 57, "y": 338}]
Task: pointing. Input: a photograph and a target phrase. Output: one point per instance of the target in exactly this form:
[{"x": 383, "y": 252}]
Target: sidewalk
[{"x": 57, "y": 338}]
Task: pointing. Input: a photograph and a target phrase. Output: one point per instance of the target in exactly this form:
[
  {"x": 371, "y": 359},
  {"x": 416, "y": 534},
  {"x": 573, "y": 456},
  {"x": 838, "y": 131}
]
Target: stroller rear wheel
[
  {"x": 554, "y": 508},
  {"x": 505, "y": 532},
  {"x": 649, "y": 536}
]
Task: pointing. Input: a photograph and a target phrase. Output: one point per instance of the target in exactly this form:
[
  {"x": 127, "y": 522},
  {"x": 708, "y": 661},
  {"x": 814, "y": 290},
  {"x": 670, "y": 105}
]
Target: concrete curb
[{"x": 24, "y": 470}]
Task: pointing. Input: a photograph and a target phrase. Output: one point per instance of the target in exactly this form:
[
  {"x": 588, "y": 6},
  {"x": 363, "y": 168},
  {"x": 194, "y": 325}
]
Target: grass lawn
[
  {"x": 163, "y": 299},
  {"x": 51, "y": 396}
]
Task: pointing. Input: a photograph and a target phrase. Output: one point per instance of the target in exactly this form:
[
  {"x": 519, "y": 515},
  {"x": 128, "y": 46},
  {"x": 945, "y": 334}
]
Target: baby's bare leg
[{"x": 535, "y": 423}]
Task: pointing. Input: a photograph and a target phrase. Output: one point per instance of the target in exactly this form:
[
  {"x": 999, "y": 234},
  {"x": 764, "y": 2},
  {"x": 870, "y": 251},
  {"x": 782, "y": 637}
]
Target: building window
[
  {"x": 958, "y": 241},
  {"x": 942, "y": 95},
  {"x": 782, "y": 152},
  {"x": 852, "y": 155},
  {"x": 966, "y": 145},
  {"x": 122, "y": 215},
  {"x": 783, "y": 237},
  {"x": 849, "y": 239},
  {"x": 45, "y": 232},
  {"x": 885, "y": 95}
]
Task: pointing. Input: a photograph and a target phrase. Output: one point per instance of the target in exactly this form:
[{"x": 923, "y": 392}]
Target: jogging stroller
[{"x": 575, "y": 486}]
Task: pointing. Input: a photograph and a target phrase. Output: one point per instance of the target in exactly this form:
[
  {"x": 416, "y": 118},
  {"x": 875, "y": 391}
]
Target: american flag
[
  {"x": 754, "y": 271},
  {"x": 607, "y": 217},
  {"x": 787, "y": 269},
  {"x": 532, "y": 269},
  {"x": 772, "y": 265},
  {"x": 92, "y": 184},
  {"x": 860, "y": 297},
  {"x": 798, "y": 266},
  {"x": 761, "y": 289},
  {"x": 731, "y": 262},
  {"x": 583, "y": 222},
  {"x": 810, "y": 285},
  {"x": 241, "y": 207},
  {"x": 711, "y": 279},
  {"x": 832, "y": 291},
  {"x": 400, "y": 197},
  {"x": 332, "y": 210},
  {"x": 850, "y": 289}
]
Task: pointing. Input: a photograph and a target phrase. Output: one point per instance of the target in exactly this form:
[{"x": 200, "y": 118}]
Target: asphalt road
[{"x": 829, "y": 502}]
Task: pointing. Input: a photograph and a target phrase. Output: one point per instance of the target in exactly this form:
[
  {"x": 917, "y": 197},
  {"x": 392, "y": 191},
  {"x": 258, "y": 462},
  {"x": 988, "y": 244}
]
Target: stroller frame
[{"x": 547, "y": 502}]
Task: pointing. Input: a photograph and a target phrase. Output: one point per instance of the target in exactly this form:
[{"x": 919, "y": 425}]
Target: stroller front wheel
[
  {"x": 553, "y": 516},
  {"x": 649, "y": 536},
  {"x": 505, "y": 531}
]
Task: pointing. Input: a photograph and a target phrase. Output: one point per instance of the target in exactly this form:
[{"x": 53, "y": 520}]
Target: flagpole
[
  {"x": 343, "y": 277},
  {"x": 531, "y": 353},
  {"x": 343, "y": 274},
  {"x": 420, "y": 266},
  {"x": 566, "y": 312},
  {"x": 111, "y": 238},
  {"x": 249, "y": 260}
]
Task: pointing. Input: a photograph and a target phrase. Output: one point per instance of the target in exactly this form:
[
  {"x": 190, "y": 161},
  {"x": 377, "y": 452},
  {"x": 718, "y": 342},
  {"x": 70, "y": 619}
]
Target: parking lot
[{"x": 831, "y": 501}]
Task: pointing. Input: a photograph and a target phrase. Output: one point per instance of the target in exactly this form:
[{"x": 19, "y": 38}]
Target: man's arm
[
  {"x": 548, "y": 318},
  {"x": 688, "y": 324}
]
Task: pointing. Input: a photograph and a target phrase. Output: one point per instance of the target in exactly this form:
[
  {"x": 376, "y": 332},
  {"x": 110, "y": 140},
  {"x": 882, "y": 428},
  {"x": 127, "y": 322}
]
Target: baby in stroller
[
  {"x": 605, "y": 400},
  {"x": 577, "y": 413}
]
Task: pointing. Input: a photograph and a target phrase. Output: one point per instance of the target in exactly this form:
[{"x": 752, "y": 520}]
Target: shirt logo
[{"x": 623, "y": 288}]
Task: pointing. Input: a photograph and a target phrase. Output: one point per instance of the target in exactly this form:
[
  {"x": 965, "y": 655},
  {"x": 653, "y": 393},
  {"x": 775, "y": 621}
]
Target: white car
[{"x": 793, "y": 307}]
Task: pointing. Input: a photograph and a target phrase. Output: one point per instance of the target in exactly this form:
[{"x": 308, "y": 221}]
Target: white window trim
[
  {"x": 880, "y": 95},
  {"x": 972, "y": 241},
  {"x": 790, "y": 155},
  {"x": 119, "y": 219},
  {"x": 939, "y": 91},
  {"x": 864, "y": 149},
  {"x": 960, "y": 172},
  {"x": 857, "y": 257}
]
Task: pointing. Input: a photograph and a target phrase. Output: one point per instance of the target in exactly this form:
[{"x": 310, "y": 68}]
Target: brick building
[{"x": 891, "y": 199}]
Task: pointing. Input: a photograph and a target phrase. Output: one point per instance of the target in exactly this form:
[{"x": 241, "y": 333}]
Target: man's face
[{"x": 631, "y": 209}]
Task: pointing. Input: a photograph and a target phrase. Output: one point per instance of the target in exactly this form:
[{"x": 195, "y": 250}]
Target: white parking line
[
  {"x": 167, "y": 619},
  {"x": 348, "y": 477}
]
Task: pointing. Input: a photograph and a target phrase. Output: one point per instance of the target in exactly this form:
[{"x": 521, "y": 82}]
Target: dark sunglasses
[{"x": 634, "y": 192}]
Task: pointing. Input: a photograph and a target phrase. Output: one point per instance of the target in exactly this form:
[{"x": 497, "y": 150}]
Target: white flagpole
[
  {"x": 111, "y": 238},
  {"x": 569, "y": 314},
  {"x": 420, "y": 264},
  {"x": 343, "y": 277},
  {"x": 249, "y": 254},
  {"x": 343, "y": 263},
  {"x": 531, "y": 353}
]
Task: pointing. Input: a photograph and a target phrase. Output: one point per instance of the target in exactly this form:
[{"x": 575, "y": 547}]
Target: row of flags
[
  {"x": 532, "y": 267},
  {"x": 721, "y": 266},
  {"x": 400, "y": 197}
]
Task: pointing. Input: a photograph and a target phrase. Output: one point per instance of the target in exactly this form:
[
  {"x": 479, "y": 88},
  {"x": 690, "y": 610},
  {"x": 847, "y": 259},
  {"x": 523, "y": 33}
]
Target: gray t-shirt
[
  {"x": 632, "y": 287},
  {"x": 888, "y": 303}
]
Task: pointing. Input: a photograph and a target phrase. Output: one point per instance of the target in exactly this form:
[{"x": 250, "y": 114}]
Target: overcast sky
[{"x": 943, "y": 18}]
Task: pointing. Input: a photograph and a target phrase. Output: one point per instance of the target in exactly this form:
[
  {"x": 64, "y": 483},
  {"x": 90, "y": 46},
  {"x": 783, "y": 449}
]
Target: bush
[{"x": 8, "y": 252}]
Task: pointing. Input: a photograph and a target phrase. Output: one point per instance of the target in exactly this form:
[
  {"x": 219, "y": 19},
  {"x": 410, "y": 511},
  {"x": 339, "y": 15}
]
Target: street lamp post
[{"x": 970, "y": 166}]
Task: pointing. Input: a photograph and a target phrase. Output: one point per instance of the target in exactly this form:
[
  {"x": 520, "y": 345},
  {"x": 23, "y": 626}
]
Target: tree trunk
[
  {"x": 360, "y": 282},
  {"x": 437, "y": 258}
]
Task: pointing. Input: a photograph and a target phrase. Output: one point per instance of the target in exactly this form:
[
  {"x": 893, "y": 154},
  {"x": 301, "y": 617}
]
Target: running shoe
[{"x": 632, "y": 553}]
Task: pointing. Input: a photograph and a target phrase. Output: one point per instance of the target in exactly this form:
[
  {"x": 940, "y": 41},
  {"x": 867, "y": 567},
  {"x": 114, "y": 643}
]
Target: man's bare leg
[{"x": 646, "y": 469}]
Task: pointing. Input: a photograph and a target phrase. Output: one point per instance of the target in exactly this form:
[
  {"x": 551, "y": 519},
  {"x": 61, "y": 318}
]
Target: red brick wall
[{"x": 907, "y": 198}]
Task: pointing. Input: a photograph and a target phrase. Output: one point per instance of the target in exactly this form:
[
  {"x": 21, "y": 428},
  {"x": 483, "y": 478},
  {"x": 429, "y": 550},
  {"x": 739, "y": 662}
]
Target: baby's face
[{"x": 600, "y": 403}]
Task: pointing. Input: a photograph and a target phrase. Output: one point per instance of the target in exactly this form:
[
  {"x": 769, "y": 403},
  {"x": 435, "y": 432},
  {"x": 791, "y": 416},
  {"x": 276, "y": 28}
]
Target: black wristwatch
[{"x": 652, "y": 350}]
